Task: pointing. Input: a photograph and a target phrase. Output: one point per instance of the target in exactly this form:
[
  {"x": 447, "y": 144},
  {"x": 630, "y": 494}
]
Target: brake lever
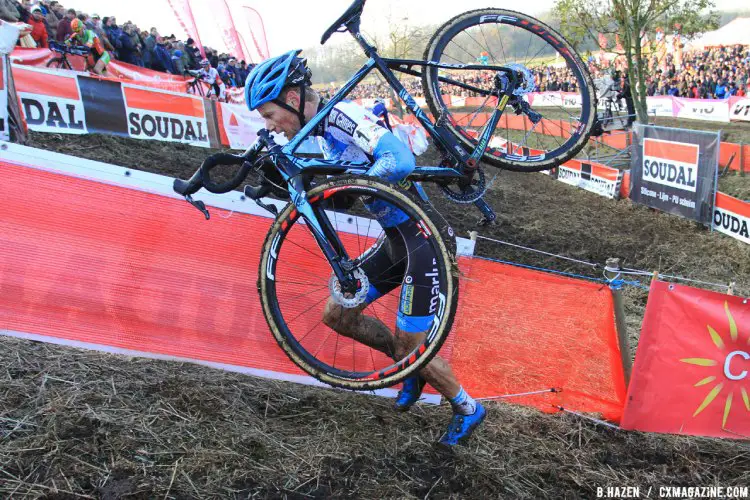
[
  {"x": 257, "y": 193},
  {"x": 199, "y": 205}
]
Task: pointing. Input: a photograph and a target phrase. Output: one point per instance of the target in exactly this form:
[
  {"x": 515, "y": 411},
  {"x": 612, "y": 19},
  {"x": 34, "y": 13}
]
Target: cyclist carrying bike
[
  {"x": 90, "y": 39},
  {"x": 211, "y": 76},
  {"x": 280, "y": 89}
]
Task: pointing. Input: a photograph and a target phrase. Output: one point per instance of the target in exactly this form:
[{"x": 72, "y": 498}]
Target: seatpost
[{"x": 354, "y": 30}]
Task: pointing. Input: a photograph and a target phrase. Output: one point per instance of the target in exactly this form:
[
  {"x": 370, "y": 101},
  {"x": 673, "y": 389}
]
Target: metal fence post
[{"x": 612, "y": 271}]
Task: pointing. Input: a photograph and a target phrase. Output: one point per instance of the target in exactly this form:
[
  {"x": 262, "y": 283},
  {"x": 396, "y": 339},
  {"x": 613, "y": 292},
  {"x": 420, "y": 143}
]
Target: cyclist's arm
[{"x": 394, "y": 160}]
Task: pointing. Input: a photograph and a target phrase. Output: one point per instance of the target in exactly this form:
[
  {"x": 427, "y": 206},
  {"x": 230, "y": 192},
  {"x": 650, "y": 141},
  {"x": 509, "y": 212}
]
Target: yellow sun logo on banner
[{"x": 726, "y": 368}]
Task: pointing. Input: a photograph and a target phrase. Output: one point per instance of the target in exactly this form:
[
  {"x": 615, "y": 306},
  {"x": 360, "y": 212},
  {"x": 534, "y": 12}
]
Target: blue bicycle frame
[{"x": 296, "y": 172}]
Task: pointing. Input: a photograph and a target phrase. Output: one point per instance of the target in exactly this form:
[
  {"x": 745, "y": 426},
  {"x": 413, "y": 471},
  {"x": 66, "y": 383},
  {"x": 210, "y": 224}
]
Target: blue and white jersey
[{"x": 351, "y": 133}]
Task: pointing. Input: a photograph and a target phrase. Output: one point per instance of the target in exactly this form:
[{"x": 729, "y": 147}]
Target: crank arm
[{"x": 488, "y": 215}]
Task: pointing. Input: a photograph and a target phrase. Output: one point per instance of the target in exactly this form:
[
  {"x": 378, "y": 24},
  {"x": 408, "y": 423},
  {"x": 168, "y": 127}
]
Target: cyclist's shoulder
[{"x": 348, "y": 116}]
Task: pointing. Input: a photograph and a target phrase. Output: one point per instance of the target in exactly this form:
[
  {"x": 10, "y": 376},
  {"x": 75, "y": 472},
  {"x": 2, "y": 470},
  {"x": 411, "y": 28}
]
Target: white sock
[{"x": 463, "y": 403}]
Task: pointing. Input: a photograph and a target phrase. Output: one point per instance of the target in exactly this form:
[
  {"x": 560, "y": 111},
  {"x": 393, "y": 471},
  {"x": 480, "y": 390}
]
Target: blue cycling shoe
[
  {"x": 410, "y": 393},
  {"x": 462, "y": 426}
]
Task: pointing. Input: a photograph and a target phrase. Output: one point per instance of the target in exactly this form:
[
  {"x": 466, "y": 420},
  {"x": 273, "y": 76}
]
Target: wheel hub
[{"x": 347, "y": 299}]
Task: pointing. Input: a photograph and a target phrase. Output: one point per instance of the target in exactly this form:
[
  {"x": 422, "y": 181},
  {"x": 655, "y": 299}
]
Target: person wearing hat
[
  {"x": 38, "y": 27},
  {"x": 193, "y": 53},
  {"x": 97, "y": 27}
]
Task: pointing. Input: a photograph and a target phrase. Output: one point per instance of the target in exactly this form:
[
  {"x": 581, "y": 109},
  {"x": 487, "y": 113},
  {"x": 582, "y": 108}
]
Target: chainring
[{"x": 469, "y": 194}]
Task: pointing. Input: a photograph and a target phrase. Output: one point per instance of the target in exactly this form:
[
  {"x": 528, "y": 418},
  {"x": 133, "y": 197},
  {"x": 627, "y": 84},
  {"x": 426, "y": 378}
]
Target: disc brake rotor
[{"x": 350, "y": 300}]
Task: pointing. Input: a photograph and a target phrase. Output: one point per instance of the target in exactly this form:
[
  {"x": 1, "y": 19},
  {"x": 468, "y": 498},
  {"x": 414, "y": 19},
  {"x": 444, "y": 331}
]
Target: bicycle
[
  {"x": 195, "y": 86},
  {"x": 61, "y": 61},
  {"x": 613, "y": 115},
  {"x": 317, "y": 244}
]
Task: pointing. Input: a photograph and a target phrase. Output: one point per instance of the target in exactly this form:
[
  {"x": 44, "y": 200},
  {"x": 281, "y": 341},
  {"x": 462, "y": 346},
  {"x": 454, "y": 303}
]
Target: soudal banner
[
  {"x": 165, "y": 116},
  {"x": 75, "y": 104},
  {"x": 740, "y": 109},
  {"x": 692, "y": 367},
  {"x": 732, "y": 217},
  {"x": 715, "y": 110},
  {"x": 50, "y": 102},
  {"x": 599, "y": 179},
  {"x": 674, "y": 170}
]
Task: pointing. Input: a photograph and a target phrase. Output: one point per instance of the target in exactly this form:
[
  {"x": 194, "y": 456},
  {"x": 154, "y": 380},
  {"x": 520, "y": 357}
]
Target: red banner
[
  {"x": 692, "y": 367},
  {"x": 228, "y": 30},
  {"x": 257, "y": 32},
  {"x": 184, "y": 15},
  {"x": 123, "y": 72}
]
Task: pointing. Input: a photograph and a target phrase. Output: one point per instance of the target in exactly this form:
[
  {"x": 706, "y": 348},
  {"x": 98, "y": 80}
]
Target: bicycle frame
[{"x": 291, "y": 167}]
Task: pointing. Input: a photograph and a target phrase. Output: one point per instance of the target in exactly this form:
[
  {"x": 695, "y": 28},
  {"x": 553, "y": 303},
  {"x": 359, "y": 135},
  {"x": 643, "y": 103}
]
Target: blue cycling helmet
[{"x": 266, "y": 81}]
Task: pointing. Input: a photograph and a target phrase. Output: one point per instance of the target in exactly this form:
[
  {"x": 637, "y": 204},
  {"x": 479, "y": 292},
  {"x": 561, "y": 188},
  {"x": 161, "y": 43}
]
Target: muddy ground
[{"x": 80, "y": 424}]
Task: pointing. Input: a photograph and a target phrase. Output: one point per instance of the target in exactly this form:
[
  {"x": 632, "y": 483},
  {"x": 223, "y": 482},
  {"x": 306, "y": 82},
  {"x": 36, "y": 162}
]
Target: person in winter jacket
[
  {"x": 9, "y": 11},
  {"x": 63, "y": 27},
  {"x": 114, "y": 33},
  {"x": 127, "y": 50},
  {"x": 38, "y": 27},
  {"x": 193, "y": 53},
  {"x": 149, "y": 48},
  {"x": 163, "y": 57}
]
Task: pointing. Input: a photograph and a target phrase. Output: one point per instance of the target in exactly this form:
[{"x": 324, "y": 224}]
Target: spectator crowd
[
  {"x": 715, "y": 73},
  {"x": 50, "y": 20}
]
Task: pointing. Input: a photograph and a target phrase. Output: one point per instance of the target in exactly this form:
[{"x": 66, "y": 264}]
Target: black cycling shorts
[{"x": 403, "y": 257}]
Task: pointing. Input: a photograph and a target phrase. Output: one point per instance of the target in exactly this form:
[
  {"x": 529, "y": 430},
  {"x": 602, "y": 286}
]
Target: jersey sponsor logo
[
  {"x": 435, "y": 287},
  {"x": 340, "y": 120},
  {"x": 53, "y": 114},
  {"x": 407, "y": 299},
  {"x": 671, "y": 164},
  {"x": 177, "y": 128}
]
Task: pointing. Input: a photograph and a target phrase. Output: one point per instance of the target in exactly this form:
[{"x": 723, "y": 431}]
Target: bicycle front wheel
[
  {"x": 406, "y": 285},
  {"x": 561, "y": 117}
]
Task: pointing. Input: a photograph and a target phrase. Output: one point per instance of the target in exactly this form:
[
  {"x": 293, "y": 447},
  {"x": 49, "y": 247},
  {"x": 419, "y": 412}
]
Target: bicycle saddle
[{"x": 351, "y": 14}]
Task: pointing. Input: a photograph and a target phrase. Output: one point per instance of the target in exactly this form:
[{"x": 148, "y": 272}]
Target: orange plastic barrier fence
[
  {"x": 85, "y": 262},
  {"x": 520, "y": 330}
]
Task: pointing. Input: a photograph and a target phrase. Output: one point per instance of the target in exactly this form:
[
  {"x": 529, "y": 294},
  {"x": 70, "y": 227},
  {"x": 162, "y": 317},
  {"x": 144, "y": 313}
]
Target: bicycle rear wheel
[
  {"x": 563, "y": 118},
  {"x": 296, "y": 284},
  {"x": 59, "y": 63}
]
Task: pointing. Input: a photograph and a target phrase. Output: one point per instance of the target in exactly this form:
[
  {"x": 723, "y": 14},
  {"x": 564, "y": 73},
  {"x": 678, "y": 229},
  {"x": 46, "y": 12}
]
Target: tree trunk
[{"x": 639, "y": 90}]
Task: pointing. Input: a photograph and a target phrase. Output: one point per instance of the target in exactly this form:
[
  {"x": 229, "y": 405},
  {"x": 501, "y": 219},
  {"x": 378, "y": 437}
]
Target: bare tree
[{"x": 634, "y": 21}]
